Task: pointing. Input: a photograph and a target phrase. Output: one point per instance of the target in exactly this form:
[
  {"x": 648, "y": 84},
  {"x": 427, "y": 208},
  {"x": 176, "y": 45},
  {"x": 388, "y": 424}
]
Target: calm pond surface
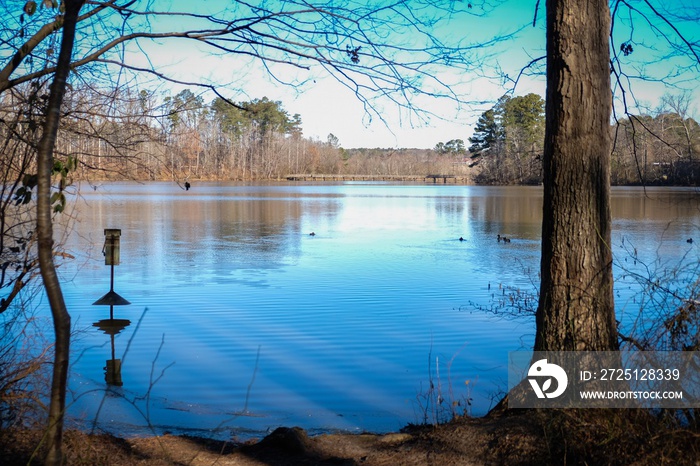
[{"x": 241, "y": 321}]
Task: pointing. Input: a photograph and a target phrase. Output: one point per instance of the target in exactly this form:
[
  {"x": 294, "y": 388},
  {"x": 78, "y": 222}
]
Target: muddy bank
[{"x": 511, "y": 438}]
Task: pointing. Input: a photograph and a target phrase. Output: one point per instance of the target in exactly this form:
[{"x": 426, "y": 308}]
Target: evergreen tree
[
  {"x": 510, "y": 137},
  {"x": 524, "y": 116},
  {"x": 452, "y": 147},
  {"x": 266, "y": 115},
  {"x": 486, "y": 132}
]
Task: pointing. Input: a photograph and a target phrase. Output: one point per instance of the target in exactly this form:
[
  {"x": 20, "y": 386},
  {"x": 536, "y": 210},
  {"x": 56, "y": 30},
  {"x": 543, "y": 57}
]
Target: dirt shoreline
[
  {"x": 468, "y": 441},
  {"x": 522, "y": 437}
]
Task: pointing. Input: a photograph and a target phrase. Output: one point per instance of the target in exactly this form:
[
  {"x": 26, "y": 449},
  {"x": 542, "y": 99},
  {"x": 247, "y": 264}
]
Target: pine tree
[{"x": 486, "y": 132}]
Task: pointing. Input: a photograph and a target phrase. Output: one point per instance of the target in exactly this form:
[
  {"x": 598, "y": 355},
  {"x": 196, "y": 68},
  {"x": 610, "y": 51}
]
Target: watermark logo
[
  {"x": 604, "y": 379},
  {"x": 546, "y": 372}
]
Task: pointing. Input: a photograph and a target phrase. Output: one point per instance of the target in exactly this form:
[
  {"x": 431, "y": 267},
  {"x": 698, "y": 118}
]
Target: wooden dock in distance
[{"x": 413, "y": 178}]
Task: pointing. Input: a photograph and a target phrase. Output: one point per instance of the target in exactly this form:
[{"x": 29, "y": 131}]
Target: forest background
[{"x": 140, "y": 135}]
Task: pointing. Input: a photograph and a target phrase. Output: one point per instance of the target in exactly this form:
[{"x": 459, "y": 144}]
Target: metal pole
[{"x": 111, "y": 280}]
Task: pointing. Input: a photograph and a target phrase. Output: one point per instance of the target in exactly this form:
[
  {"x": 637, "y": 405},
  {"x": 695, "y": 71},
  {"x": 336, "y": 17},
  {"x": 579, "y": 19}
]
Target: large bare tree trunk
[
  {"x": 576, "y": 310},
  {"x": 61, "y": 318}
]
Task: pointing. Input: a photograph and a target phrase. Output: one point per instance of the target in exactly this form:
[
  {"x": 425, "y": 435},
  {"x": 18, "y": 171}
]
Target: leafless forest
[{"x": 125, "y": 134}]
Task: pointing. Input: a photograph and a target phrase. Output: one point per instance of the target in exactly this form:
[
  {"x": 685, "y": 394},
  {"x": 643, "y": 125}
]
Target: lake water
[{"x": 241, "y": 321}]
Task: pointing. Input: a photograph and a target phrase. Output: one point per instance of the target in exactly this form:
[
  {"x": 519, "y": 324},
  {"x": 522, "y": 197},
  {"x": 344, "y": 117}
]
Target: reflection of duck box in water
[
  {"x": 113, "y": 366},
  {"x": 113, "y": 372}
]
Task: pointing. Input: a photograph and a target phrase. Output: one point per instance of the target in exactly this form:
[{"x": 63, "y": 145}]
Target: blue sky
[{"x": 328, "y": 107}]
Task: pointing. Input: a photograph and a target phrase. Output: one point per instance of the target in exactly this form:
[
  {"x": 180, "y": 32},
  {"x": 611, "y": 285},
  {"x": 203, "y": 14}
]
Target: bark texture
[
  {"x": 61, "y": 318},
  {"x": 576, "y": 310}
]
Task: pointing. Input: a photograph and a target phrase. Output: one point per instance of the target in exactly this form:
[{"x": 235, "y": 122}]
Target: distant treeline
[
  {"x": 658, "y": 149},
  {"x": 124, "y": 135},
  {"x": 141, "y": 135}
]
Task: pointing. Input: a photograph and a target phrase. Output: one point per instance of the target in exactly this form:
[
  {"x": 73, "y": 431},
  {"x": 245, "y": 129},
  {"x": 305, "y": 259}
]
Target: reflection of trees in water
[
  {"x": 210, "y": 230},
  {"x": 450, "y": 206},
  {"x": 654, "y": 203}
]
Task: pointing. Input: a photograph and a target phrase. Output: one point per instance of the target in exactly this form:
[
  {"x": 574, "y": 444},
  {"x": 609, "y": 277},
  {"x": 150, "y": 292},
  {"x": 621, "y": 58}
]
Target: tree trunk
[
  {"x": 61, "y": 318},
  {"x": 576, "y": 310}
]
